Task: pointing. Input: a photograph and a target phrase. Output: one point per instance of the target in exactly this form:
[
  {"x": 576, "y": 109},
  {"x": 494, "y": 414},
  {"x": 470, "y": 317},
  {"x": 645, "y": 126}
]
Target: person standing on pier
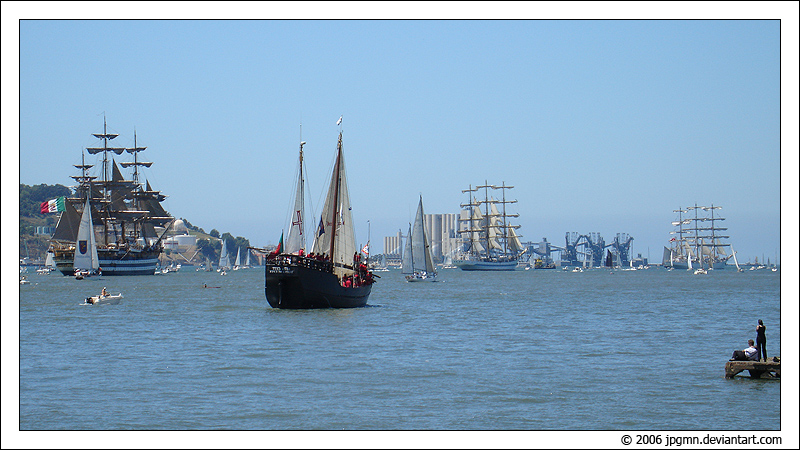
[{"x": 761, "y": 339}]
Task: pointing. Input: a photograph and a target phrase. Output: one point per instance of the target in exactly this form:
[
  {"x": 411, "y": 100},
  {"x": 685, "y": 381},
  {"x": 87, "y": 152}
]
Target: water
[{"x": 524, "y": 350}]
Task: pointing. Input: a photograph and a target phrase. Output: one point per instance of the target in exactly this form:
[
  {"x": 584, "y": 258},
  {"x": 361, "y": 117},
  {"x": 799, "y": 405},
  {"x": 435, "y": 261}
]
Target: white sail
[
  {"x": 475, "y": 236},
  {"x": 49, "y": 262},
  {"x": 247, "y": 263},
  {"x": 335, "y": 235},
  {"x": 296, "y": 239},
  {"x": 513, "y": 241},
  {"x": 238, "y": 258},
  {"x": 493, "y": 230},
  {"x": 408, "y": 255},
  {"x": 224, "y": 261},
  {"x": 735, "y": 261},
  {"x": 421, "y": 259},
  {"x": 85, "y": 246}
]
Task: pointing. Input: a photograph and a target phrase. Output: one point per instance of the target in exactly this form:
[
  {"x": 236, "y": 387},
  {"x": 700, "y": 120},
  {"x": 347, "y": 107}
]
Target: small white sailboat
[
  {"x": 85, "y": 262},
  {"x": 238, "y": 263},
  {"x": 417, "y": 261},
  {"x": 735, "y": 261},
  {"x": 224, "y": 260}
]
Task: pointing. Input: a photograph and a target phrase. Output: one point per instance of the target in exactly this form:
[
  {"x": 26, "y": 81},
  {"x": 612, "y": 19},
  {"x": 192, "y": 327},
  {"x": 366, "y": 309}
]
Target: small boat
[
  {"x": 23, "y": 280},
  {"x": 417, "y": 261},
  {"x": 238, "y": 263},
  {"x": 110, "y": 299},
  {"x": 224, "y": 260}
]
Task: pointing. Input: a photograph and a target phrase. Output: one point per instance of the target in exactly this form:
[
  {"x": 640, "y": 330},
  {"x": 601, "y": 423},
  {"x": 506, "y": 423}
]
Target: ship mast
[
  {"x": 105, "y": 136},
  {"x": 336, "y": 206}
]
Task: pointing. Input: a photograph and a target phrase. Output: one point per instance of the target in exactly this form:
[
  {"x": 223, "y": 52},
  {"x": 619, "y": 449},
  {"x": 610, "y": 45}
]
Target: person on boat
[
  {"x": 104, "y": 292},
  {"x": 751, "y": 352},
  {"x": 761, "y": 339}
]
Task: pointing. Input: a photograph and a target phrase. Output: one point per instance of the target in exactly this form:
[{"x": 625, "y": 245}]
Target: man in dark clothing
[{"x": 761, "y": 339}]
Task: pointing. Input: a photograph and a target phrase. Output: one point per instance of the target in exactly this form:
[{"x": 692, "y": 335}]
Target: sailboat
[
  {"x": 736, "y": 261},
  {"x": 224, "y": 260},
  {"x": 85, "y": 260},
  {"x": 417, "y": 261},
  {"x": 238, "y": 259},
  {"x": 332, "y": 274},
  {"x": 491, "y": 242}
]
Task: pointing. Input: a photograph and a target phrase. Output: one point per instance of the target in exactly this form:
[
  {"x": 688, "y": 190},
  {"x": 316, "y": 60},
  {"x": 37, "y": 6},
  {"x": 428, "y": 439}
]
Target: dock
[{"x": 757, "y": 369}]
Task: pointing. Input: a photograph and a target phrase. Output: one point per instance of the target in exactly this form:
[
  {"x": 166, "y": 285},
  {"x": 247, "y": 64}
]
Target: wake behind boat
[{"x": 332, "y": 275}]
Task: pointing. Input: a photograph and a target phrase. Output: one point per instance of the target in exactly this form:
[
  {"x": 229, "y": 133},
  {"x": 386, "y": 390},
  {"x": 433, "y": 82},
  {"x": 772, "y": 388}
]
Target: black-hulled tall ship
[
  {"x": 128, "y": 220},
  {"x": 332, "y": 275}
]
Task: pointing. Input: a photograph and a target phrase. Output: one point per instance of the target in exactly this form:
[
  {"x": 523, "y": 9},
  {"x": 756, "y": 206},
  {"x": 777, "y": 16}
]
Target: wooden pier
[{"x": 757, "y": 369}]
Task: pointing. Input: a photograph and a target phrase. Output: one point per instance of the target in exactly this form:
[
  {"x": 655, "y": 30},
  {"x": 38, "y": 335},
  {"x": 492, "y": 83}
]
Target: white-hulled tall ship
[
  {"x": 128, "y": 220},
  {"x": 489, "y": 242},
  {"x": 332, "y": 275},
  {"x": 698, "y": 240}
]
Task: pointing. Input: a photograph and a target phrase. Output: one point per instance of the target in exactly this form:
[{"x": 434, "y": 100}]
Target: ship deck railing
[{"x": 302, "y": 261}]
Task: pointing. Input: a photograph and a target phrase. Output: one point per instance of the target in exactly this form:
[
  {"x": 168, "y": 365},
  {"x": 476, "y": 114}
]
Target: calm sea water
[{"x": 524, "y": 350}]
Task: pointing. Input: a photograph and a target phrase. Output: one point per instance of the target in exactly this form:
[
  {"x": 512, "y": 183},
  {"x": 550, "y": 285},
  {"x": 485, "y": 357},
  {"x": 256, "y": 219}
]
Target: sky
[{"x": 601, "y": 126}]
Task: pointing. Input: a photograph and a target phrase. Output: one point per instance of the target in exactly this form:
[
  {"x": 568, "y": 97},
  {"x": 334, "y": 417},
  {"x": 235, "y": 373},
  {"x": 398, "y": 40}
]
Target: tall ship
[
  {"x": 489, "y": 241},
  {"x": 128, "y": 222},
  {"x": 698, "y": 240},
  {"x": 332, "y": 275}
]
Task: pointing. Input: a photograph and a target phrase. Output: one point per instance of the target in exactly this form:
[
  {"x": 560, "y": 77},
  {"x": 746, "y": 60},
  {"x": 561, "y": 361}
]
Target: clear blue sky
[{"x": 602, "y": 126}]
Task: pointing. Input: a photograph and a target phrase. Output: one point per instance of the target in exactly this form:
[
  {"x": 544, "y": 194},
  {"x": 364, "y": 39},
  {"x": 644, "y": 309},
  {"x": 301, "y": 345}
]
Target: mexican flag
[{"x": 54, "y": 205}]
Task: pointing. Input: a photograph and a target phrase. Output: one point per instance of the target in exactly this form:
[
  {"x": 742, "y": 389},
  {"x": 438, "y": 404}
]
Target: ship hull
[
  {"x": 685, "y": 266},
  {"x": 112, "y": 262},
  {"x": 292, "y": 286},
  {"x": 486, "y": 265}
]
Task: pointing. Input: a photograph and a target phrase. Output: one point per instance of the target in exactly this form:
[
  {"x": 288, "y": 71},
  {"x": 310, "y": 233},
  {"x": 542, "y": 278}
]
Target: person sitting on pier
[{"x": 751, "y": 352}]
